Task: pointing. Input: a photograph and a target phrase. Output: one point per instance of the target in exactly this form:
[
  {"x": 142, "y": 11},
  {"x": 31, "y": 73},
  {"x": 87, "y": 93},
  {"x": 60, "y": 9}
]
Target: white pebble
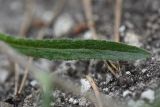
[
  {"x": 105, "y": 89},
  {"x": 108, "y": 78},
  {"x": 85, "y": 85},
  {"x": 75, "y": 101},
  {"x": 4, "y": 74},
  {"x": 71, "y": 100},
  {"x": 144, "y": 70},
  {"x": 88, "y": 35},
  {"x": 148, "y": 95},
  {"x": 128, "y": 73},
  {"x": 132, "y": 39},
  {"x": 33, "y": 83},
  {"x": 82, "y": 101},
  {"x": 63, "y": 25},
  {"x": 127, "y": 92},
  {"x": 122, "y": 28}
]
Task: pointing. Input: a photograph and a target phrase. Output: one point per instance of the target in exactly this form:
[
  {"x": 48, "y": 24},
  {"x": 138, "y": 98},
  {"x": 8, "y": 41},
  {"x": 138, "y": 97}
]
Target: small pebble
[
  {"x": 132, "y": 39},
  {"x": 128, "y": 73},
  {"x": 105, "y": 89},
  {"x": 63, "y": 25},
  {"x": 148, "y": 95},
  {"x": 88, "y": 35},
  {"x": 34, "y": 83},
  {"x": 71, "y": 100},
  {"x": 4, "y": 75},
  {"x": 122, "y": 28},
  {"x": 75, "y": 101},
  {"x": 85, "y": 85},
  {"x": 108, "y": 78},
  {"x": 82, "y": 101},
  {"x": 126, "y": 93},
  {"x": 144, "y": 70}
]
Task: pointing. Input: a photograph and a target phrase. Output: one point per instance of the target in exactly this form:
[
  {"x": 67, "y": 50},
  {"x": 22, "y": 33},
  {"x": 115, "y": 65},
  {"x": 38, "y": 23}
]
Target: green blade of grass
[{"x": 72, "y": 49}]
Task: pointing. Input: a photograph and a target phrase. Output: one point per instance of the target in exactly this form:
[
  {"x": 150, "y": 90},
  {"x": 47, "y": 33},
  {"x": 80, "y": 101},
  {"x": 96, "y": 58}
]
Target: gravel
[{"x": 139, "y": 79}]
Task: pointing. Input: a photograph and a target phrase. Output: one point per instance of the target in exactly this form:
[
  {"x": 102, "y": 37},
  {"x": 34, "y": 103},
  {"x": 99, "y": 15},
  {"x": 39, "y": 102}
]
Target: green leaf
[{"x": 73, "y": 49}]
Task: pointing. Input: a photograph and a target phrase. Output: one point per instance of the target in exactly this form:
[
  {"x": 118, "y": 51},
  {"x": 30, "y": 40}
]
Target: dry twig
[
  {"x": 57, "y": 10},
  {"x": 25, "y": 74},
  {"x": 28, "y": 16},
  {"x": 96, "y": 91},
  {"x": 115, "y": 70},
  {"x": 89, "y": 17},
  {"x": 117, "y": 22},
  {"x": 118, "y": 12},
  {"x": 16, "y": 69}
]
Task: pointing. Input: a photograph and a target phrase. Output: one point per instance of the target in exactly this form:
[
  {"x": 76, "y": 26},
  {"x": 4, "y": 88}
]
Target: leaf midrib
[{"x": 41, "y": 44}]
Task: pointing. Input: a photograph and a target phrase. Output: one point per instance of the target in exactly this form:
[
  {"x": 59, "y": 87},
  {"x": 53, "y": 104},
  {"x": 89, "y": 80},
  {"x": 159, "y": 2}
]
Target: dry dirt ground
[{"x": 140, "y": 26}]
